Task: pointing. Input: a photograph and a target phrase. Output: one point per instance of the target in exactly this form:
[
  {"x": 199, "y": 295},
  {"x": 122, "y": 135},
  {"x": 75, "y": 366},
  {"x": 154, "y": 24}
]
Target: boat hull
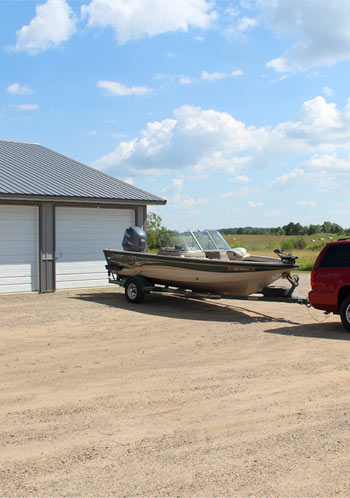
[{"x": 224, "y": 277}]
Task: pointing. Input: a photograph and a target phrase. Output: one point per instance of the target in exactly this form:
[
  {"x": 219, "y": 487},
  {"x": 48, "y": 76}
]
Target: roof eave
[{"x": 85, "y": 200}]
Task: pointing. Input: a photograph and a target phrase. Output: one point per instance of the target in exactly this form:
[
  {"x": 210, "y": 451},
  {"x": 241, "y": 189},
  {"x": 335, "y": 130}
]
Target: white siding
[
  {"x": 81, "y": 236},
  {"x": 18, "y": 249}
]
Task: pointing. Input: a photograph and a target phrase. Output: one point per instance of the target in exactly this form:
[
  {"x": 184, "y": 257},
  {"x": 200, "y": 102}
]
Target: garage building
[{"x": 56, "y": 217}]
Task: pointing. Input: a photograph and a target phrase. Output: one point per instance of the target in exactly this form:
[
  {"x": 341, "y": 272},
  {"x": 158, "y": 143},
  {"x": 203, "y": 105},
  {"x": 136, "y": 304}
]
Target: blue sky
[{"x": 236, "y": 112}]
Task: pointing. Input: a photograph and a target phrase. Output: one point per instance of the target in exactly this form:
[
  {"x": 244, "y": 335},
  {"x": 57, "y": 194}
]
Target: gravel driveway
[{"x": 171, "y": 397}]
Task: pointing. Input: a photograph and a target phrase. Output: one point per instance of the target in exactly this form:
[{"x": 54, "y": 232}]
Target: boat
[{"x": 198, "y": 260}]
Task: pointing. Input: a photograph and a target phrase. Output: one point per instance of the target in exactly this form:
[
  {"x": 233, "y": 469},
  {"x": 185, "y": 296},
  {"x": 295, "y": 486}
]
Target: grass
[{"x": 264, "y": 245}]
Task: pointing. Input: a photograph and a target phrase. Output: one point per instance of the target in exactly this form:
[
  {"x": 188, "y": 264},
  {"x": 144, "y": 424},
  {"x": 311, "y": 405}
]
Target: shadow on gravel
[
  {"x": 322, "y": 330},
  {"x": 184, "y": 308}
]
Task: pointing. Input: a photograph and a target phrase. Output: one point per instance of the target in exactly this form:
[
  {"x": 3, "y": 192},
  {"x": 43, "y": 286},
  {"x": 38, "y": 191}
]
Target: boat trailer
[{"x": 137, "y": 287}]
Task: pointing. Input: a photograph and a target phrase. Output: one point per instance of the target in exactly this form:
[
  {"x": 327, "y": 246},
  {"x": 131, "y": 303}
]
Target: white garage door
[
  {"x": 18, "y": 249},
  {"x": 81, "y": 236}
]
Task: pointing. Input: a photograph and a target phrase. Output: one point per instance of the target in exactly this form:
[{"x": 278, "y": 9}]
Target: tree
[
  {"x": 314, "y": 229},
  {"x": 154, "y": 229}
]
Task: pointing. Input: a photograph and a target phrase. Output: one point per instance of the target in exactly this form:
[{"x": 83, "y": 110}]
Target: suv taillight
[{"x": 313, "y": 279}]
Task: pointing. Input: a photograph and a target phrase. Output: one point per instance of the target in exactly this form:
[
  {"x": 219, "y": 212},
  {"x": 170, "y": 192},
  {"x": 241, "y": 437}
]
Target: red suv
[{"x": 330, "y": 280}]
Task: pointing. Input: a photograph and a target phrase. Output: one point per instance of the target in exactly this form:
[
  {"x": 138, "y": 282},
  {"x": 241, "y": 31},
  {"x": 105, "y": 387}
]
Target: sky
[{"x": 235, "y": 111}]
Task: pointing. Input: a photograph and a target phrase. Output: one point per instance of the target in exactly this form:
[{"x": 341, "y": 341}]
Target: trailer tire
[
  {"x": 345, "y": 313},
  {"x": 134, "y": 292},
  {"x": 274, "y": 291}
]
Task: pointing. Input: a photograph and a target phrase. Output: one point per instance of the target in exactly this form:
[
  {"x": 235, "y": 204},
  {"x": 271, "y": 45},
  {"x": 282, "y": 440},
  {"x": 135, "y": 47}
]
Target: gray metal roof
[{"x": 31, "y": 170}]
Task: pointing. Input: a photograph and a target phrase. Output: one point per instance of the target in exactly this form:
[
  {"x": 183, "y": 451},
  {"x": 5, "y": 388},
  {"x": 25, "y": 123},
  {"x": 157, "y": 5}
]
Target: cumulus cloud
[
  {"x": 28, "y": 107},
  {"x": 328, "y": 162},
  {"x": 178, "y": 182},
  {"x": 287, "y": 178},
  {"x": 206, "y": 141},
  {"x": 129, "y": 180},
  {"x": 328, "y": 91},
  {"x": 306, "y": 203},
  {"x": 253, "y": 204},
  {"x": 320, "y": 127},
  {"x": 327, "y": 171},
  {"x": 242, "y": 178},
  {"x": 177, "y": 200},
  {"x": 220, "y": 76},
  {"x": 115, "y": 88},
  {"x": 199, "y": 38},
  {"x": 140, "y": 18},
  {"x": 53, "y": 24},
  {"x": 321, "y": 30},
  {"x": 17, "y": 89},
  {"x": 185, "y": 80},
  {"x": 193, "y": 138},
  {"x": 238, "y": 24},
  {"x": 242, "y": 192}
]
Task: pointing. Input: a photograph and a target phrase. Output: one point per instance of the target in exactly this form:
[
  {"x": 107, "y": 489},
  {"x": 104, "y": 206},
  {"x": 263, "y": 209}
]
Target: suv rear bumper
[{"x": 323, "y": 300}]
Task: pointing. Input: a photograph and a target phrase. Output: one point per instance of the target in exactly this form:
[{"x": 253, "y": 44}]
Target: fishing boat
[{"x": 197, "y": 260}]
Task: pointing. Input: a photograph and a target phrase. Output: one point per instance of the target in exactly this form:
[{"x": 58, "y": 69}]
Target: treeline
[{"x": 290, "y": 229}]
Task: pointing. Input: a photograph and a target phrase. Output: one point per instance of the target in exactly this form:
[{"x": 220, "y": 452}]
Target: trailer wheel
[
  {"x": 345, "y": 313},
  {"x": 134, "y": 292}
]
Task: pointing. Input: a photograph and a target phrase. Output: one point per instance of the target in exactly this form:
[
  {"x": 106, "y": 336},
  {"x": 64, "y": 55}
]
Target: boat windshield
[
  {"x": 181, "y": 241},
  {"x": 205, "y": 241},
  {"x": 200, "y": 240},
  {"x": 219, "y": 240},
  {"x": 211, "y": 240}
]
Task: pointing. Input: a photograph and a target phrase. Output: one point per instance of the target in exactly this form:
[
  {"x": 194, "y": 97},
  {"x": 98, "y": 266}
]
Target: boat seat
[
  {"x": 216, "y": 254},
  {"x": 237, "y": 253}
]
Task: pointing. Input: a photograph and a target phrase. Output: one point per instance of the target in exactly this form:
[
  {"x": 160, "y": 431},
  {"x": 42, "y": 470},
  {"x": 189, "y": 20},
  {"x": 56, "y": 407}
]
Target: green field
[{"x": 306, "y": 247}]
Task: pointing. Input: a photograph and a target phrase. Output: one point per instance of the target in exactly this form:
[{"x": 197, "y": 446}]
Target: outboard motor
[{"x": 134, "y": 239}]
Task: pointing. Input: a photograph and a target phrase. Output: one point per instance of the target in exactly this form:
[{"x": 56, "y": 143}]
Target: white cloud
[
  {"x": 213, "y": 76},
  {"x": 242, "y": 178},
  {"x": 189, "y": 203},
  {"x": 237, "y": 72},
  {"x": 246, "y": 23},
  {"x": 184, "y": 80},
  {"x": 321, "y": 30},
  {"x": 140, "y": 18},
  {"x": 177, "y": 201},
  {"x": 306, "y": 203},
  {"x": 17, "y": 89},
  {"x": 231, "y": 11},
  {"x": 326, "y": 171},
  {"x": 54, "y": 23},
  {"x": 219, "y": 76},
  {"x": 178, "y": 182},
  {"x": 330, "y": 162},
  {"x": 198, "y": 139},
  {"x": 237, "y": 29},
  {"x": 241, "y": 192},
  {"x": 253, "y": 204},
  {"x": 28, "y": 107},
  {"x": 199, "y": 38},
  {"x": 287, "y": 178},
  {"x": 328, "y": 91},
  {"x": 115, "y": 88},
  {"x": 321, "y": 126},
  {"x": 276, "y": 213},
  {"x": 208, "y": 141},
  {"x": 129, "y": 180}
]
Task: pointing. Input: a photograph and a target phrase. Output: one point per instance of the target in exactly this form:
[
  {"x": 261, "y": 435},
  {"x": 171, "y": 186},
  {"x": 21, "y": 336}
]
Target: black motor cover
[{"x": 134, "y": 239}]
